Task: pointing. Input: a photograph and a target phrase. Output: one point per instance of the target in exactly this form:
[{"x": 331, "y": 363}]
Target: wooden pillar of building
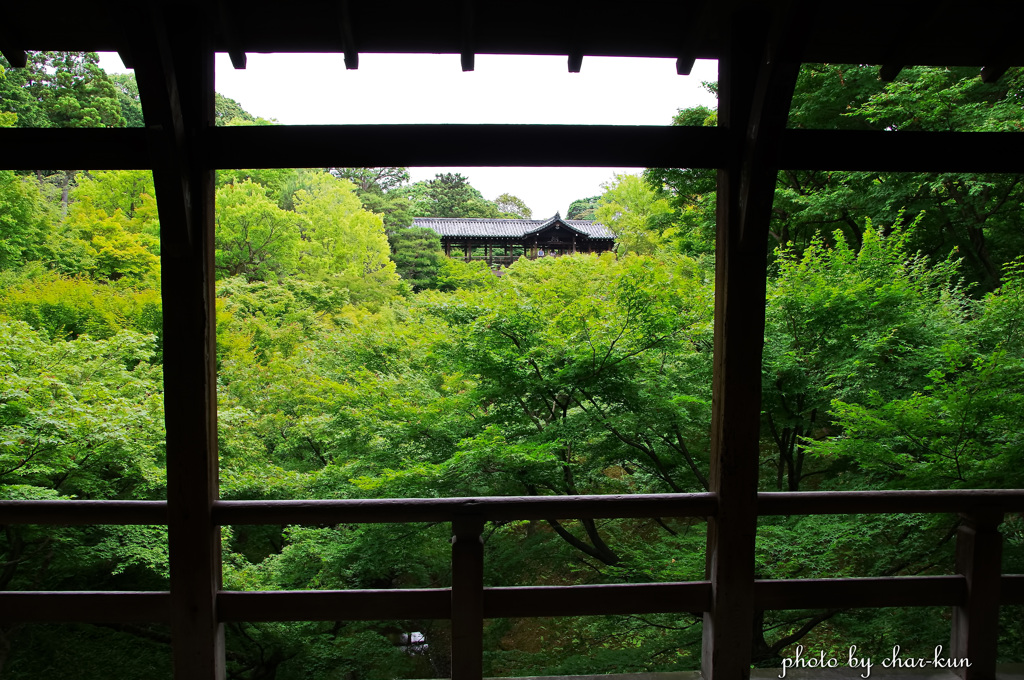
[
  {"x": 174, "y": 67},
  {"x": 755, "y": 90},
  {"x": 975, "y": 630}
]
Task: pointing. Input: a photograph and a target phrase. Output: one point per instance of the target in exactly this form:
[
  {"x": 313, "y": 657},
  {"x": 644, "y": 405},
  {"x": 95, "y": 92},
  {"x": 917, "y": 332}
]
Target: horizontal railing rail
[
  {"x": 504, "y": 508},
  {"x": 508, "y": 602},
  {"x": 467, "y": 603}
]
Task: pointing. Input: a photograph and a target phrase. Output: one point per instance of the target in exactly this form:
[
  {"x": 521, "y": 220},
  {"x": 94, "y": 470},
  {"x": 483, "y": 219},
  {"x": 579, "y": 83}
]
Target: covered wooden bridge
[
  {"x": 759, "y": 47},
  {"x": 503, "y": 241}
]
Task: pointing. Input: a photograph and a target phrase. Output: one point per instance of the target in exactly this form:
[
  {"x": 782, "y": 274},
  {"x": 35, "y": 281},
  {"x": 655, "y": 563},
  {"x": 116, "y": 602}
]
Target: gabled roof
[{"x": 514, "y": 228}]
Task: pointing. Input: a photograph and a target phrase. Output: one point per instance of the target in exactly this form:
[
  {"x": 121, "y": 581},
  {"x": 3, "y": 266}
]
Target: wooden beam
[
  {"x": 694, "y": 28},
  {"x": 498, "y": 508},
  {"x": 348, "y": 41},
  {"x": 975, "y": 631},
  {"x": 175, "y": 71},
  {"x": 842, "y": 593},
  {"x": 575, "y": 60},
  {"x": 992, "y": 73},
  {"x": 85, "y": 607},
  {"x": 468, "y": 34},
  {"x": 156, "y": 76},
  {"x": 228, "y": 30},
  {"x": 15, "y": 57},
  {"x": 596, "y": 600},
  {"x": 334, "y": 605},
  {"x": 1011, "y": 589},
  {"x": 467, "y": 597},
  {"x": 290, "y": 146},
  {"x": 900, "y": 151},
  {"x": 888, "y": 72},
  {"x": 883, "y": 502},
  {"x": 756, "y": 81},
  {"x": 83, "y": 512}
]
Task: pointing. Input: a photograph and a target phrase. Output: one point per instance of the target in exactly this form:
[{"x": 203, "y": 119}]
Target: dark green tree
[
  {"x": 417, "y": 254},
  {"x": 227, "y": 110},
  {"x": 583, "y": 208},
  {"x": 449, "y": 195}
]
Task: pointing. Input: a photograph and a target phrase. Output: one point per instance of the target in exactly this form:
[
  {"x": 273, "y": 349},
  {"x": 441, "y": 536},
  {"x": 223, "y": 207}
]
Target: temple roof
[{"x": 514, "y": 228}]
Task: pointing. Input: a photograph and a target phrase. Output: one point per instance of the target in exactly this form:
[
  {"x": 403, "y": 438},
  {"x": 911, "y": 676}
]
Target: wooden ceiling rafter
[
  {"x": 157, "y": 80},
  {"x": 687, "y": 53},
  {"x": 992, "y": 73},
  {"x": 468, "y": 35},
  {"x": 348, "y": 41},
  {"x": 230, "y": 33},
  {"x": 575, "y": 59},
  {"x": 15, "y": 56},
  {"x": 911, "y": 19}
]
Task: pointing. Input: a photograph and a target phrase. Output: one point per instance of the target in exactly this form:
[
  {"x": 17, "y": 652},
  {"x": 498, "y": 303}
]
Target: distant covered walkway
[{"x": 503, "y": 241}]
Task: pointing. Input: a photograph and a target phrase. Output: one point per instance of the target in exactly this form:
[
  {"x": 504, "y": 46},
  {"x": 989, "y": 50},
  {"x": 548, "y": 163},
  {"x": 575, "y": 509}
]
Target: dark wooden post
[
  {"x": 467, "y": 598},
  {"x": 176, "y": 86},
  {"x": 975, "y": 635},
  {"x": 755, "y": 90}
]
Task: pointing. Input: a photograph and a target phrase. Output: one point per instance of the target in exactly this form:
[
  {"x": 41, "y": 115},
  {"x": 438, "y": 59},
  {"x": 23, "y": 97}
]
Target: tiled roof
[{"x": 515, "y": 228}]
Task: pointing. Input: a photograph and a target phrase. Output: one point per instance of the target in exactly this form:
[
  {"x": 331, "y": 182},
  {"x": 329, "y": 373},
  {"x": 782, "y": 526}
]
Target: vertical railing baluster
[
  {"x": 975, "y": 635},
  {"x": 467, "y": 597}
]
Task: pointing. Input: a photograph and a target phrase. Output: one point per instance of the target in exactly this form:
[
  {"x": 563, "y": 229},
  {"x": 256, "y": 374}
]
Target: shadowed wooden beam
[
  {"x": 175, "y": 71},
  {"x": 909, "y": 19},
  {"x": 157, "y": 79},
  {"x": 468, "y": 34},
  {"x": 85, "y": 607},
  {"x": 228, "y": 30},
  {"x": 348, "y": 42},
  {"x": 15, "y": 57},
  {"x": 334, "y": 605},
  {"x": 888, "y": 72},
  {"x": 74, "y": 148},
  {"x": 694, "y": 27},
  {"x": 975, "y": 628},
  {"x": 301, "y": 146},
  {"x": 72, "y": 512},
  {"x": 498, "y": 508},
  {"x": 83, "y": 512},
  {"x": 757, "y": 76},
  {"x": 1011, "y": 590},
  {"x": 992, "y": 73},
  {"x": 881, "y": 502},
  {"x": 10, "y": 48},
  {"x": 841, "y": 593},
  {"x": 901, "y": 151},
  {"x": 597, "y": 600},
  {"x": 575, "y": 60},
  {"x": 467, "y": 597}
]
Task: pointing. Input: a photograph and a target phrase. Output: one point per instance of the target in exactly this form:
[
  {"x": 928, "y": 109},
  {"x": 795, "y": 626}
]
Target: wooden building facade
[
  {"x": 759, "y": 47},
  {"x": 503, "y": 241}
]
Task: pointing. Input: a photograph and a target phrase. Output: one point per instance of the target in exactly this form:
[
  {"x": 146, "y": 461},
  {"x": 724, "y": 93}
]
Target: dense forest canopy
[{"x": 356, "y": 361}]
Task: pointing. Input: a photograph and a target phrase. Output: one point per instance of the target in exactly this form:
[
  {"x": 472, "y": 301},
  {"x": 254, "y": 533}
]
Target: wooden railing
[{"x": 975, "y": 591}]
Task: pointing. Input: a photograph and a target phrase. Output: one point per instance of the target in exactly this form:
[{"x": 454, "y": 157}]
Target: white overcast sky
[{"x": 299, "y": 89}]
